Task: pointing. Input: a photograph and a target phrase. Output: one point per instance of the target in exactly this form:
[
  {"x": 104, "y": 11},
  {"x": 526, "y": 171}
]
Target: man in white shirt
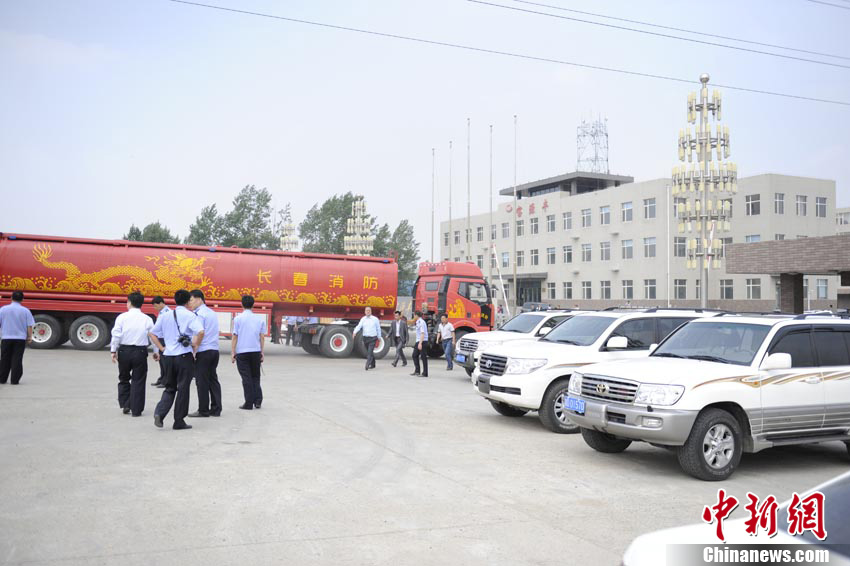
[
  {"x": 446, "y": 336},
  {"x": 420, "y": 348},
  {"x": 129, "y": 348},
  {"x": 371, "y": 327},
  {"x": 249, "y": 337}
]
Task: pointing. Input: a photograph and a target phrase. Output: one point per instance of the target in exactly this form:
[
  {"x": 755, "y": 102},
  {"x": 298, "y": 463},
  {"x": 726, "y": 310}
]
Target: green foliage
[
  {"x": 249, "y": 224},
  {"x": 206, "y": 230},
  {"x": 324, "y": 227},
  {"x": 153, "y": 232},
  {"x": 406, "y": 250}
]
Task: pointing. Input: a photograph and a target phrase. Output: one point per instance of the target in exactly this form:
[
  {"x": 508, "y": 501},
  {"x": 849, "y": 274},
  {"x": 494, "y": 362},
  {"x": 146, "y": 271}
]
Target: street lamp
[
  {"x": 698, "y": 189},
  {"x": 358, "y": 239}
]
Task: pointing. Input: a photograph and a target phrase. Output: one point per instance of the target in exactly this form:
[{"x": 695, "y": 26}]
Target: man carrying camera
[{"x": 182, "y": 332}]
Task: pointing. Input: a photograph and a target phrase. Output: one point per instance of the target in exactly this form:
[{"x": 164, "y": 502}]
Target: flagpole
[
  {"x": 451, "y": 232},
  {"x": 468, "y": 195},
  {"x": 433, "y": 192},
  {"x": 513, "y": 228}
]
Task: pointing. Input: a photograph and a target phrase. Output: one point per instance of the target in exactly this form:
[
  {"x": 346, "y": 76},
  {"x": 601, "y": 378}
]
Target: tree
[
  {"x": 249, "y": 224},
  {"x": 153, "y": 232},
  {"x": 383, "y": 241},
  {"x": 324, "y": 227},
  {"x": 406, "y": 250},
  {"x": 207, "y": 228}
]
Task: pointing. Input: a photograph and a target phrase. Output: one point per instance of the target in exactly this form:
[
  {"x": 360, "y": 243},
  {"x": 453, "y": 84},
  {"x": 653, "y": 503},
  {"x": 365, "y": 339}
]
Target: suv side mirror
[
  {"x": 617, "y": 343},
  {"x": 544, "y": 331},
  {"x": 777, "y": 361}
]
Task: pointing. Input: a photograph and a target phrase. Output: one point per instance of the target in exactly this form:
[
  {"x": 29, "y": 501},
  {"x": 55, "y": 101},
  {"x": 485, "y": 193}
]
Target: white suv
[
  {"x": 521, "y": 327},
  {"x": 721, "y": 386},
  {"x": 532, "y": 375}
]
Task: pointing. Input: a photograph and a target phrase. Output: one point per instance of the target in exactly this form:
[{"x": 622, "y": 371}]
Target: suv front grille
[
  {"x": 492, "y": 365},
  {"x": 467, "y": 345},
  {"x": 608, "y": 388}
]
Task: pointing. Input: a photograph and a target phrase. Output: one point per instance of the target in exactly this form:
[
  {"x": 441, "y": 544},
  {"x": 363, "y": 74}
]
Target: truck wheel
[
  {"x": 47, "y": 332},
  {"x": 308, "y": 346},
  {"x": 508, "y": 410},
  {"x": 713, "y": 449},
  {"x": 603, "y": 442},
  {"x": 89, "y": 333},
  {"x": 336, "y": 342},
  {"x": 553, "y": 409},
  {"x": 435, "y": 350}
]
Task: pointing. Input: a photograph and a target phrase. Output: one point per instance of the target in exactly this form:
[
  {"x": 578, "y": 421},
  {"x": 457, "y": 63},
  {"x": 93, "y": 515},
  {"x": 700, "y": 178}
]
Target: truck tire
[
  {"x": 336, "y": 342},
  {"x": 713, "y": 449},
  {"x": 508, "y": 410},
  {"x": 553, "y": 410},
  {"x": 382, "y": 347},
  {"x": 89, "y": 333},
  {"x": 47, "y": 332},
  {"x": 603, "y": 442},
  {"x": 308, "y": 346}
]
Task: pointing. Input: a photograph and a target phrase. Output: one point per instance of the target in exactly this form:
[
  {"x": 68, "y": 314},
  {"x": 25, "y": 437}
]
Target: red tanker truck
[{"x": 76, "y": 287}]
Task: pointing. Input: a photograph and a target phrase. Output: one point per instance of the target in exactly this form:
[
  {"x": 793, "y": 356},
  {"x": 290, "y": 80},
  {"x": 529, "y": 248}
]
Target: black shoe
[
  {"x": 368, "y": 368},
  {"x": 258, "y": 405},
  {"x": 156, "y": 383},
  {"x": 181, "y": 425},
  {"x": 161, "y": 386},
  {"x": 449, "y": 369},
  {"x": 198, "y": 414},
  {"x": 246, "y": 406},
  {"x": 404, "y": 364},
  {"x": 416, "y": 373},
  {"x": 157, "y": 421},
  {"x": 394, "y": 364},
  {"x": 126, "y": 410},
  {"x": 137, "y": 415},
  {"x": 215, "y": 413},
  {"x": 424, "y": 375}
]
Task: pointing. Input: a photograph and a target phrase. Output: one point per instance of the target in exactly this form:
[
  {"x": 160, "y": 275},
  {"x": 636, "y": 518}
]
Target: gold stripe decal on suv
[{"x": 753, "y": 380}]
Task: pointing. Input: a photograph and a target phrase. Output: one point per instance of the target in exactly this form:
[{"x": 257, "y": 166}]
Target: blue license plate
[
  {"x": 575, "y": 405},
  {"x": 460, "y": 358}
]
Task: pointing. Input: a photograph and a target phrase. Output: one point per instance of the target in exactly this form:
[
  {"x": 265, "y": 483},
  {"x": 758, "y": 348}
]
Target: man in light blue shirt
[
  {"x": 249, "y": 338},
  {"x": 182, "y": 332},
  {"x": 206, "y": 360},
  {"x": 291, "y": 322},
  {"x": 420, "y": 348},
  {"x": 371, "y": 328},
  {"x": 16, "y": 324}
]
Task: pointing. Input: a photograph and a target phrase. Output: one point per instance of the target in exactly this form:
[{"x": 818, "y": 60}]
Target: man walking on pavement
[
  {"x": 161, "y": 309},
  {"x": 290, "y": 330},
  {"x": 182, "y": 333},
  {"x": 16, "y": 324},
  {"x": 446, "y": 336},
  {"x": 399, "y": 335},
  {"x": 206, "y": 360},
  {"x": 249, "y": 337},
  {"x": 129, "y": 348},
  {"x": 371, "y": 328},
  {"x": 420, "y": 348}
]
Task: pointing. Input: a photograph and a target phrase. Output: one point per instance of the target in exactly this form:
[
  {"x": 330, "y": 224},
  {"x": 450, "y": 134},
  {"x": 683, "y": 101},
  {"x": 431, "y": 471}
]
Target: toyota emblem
[
  {"x": 602, "y": 388},
  {"x": 489, "y": 364}
]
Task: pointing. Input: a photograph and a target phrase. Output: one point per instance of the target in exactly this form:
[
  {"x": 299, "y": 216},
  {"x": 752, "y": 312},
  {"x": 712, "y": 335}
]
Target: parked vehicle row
[{"x": 708, "y": 385}]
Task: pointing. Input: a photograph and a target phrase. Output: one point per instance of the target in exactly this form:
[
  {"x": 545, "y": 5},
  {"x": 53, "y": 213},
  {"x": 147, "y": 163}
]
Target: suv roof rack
[
  {"x": 690, "y": 309},
  {"x": 776, "y": 314},
  {"x": 822, "y": 315}
]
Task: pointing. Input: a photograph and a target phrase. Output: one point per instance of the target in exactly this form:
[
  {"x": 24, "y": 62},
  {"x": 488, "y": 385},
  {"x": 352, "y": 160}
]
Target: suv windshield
[
  {"x": 723, "y": 342},
  {"x": 579, "y": 330},
  {"x": 523, "y": 323}
]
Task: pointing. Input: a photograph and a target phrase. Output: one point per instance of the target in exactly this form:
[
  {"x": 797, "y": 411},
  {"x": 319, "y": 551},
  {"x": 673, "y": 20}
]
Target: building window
[
  {"x": 754, "y": 288},
  {"x": 801, "y": 205},
  {"x": 752, "y": 238},
  {"x": 680, "y": 246},
  {"x": 586, "y": 252},
  {"x": 842, "y": 218},
  {"x": 535, "y": 258},
  {"x": 823, "y": 288},
  {"x": 520, "y": 258},
  {"x": 550, "y": 256},
  {"x": 820, "y": 207},
  {"x": 550, "y": 291},
  {"x": 680, "y": 289},
  {"x": 468, "y": 234},
  {"x": 457, "y": 259},
  {"x": 626, "y": 211},
  {"x": 628, "y": 289},
  {"x": 605, "y": 251},
  {"x": 628, "y": 249},
  {"x": 724, "y": 242},
  {"x": 568, "y": 220},
  {"x": 649, "y": 208},
  {"x": 535, "y": 227},
  {"x": 604, "y": 215},
  {"x": 492, "y": 231},
  {"x": 457, "y": 236},
  {"x": 506, "y": 259},
  {"x": 520, "y": 228},
  {"x": 649, "y": 247},
  {"x": 753, "y": 203},
  {"x": 585, "y": 218},
  {"x": 586, "y": 292},
  {"x": 726, "y": 290},
  {"x": 698, "y": 294},
  {"x": 506, "y": 229},
  {"x": 806, "y": 287},
  {"x": 649, "y": 289},
  {"x": 568, "y": 290},
  {"x": 493, "y": 263},
  {"x": 479, "y": 233},
  {"x": 604, "y": 289},
  {"x": 779, "y": 203},
  {"x": 801, "y": 236},
  {"x": 568, "y": 254},
  {"x": 779, "y": 236},
  {"x": 480, "y": 261},
  {"x": 445, "y": 238},
  {"x": 550, "y": 223}
]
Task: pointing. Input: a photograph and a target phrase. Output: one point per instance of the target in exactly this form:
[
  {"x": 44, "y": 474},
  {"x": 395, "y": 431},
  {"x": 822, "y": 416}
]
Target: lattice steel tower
[{"x": 592, "y": 142}]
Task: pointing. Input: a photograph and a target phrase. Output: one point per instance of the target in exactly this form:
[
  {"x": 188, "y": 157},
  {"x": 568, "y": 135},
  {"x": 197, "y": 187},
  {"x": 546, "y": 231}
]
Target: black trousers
[
  {"x": 12, "y": 359},
  {"x": 178, "y": 378},
  {"x": 369, "y": 343},
  {"x": 132, "y": 374},
  {"x": 249, "y": 366},
  {"x": 290, "y": 334},
  {"x": 399, "y": 353},
  {"x": 206, "y": 377},
  {"x": 420, "y": 355}
]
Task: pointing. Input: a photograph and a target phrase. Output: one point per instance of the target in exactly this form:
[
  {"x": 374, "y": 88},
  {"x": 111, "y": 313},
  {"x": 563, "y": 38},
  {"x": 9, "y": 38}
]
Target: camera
[{"x": 184, "y": 340}]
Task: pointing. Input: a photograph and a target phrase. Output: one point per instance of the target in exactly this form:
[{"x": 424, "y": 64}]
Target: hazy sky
[{"x": 129, "y": 111}]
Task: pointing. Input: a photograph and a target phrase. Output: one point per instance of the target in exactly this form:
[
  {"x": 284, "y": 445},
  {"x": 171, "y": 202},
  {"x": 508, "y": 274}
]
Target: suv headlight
[
  {"x": 651, "y": 394},
  {"x": 524, "y": 365},
  {"x": 575, "y": 383}
]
